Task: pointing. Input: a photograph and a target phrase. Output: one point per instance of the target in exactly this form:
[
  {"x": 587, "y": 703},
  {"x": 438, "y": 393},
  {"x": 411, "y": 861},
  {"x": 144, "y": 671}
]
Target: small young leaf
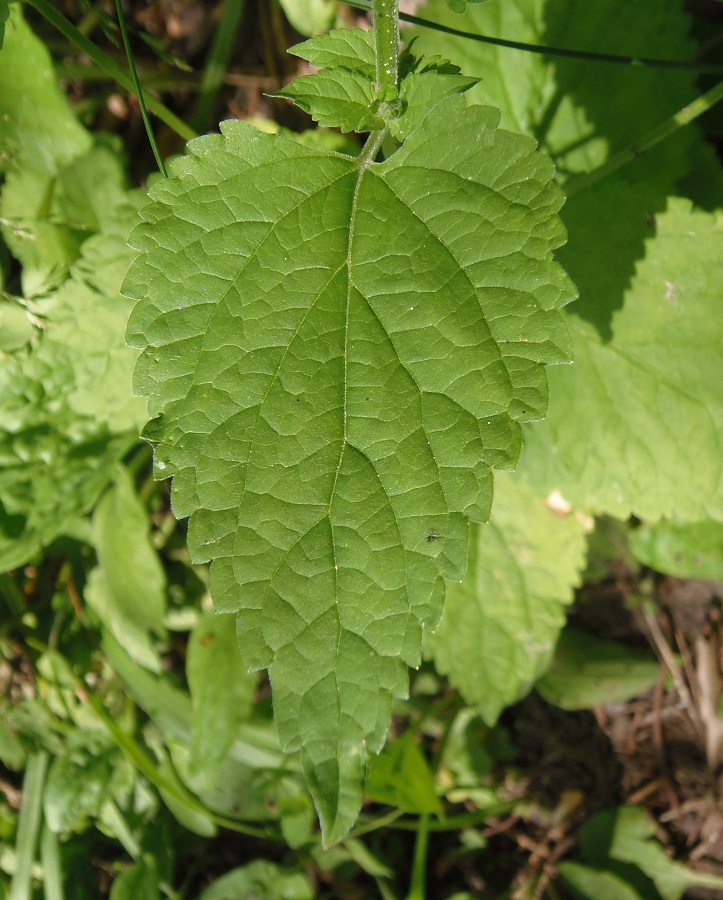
[
  {"x": 400, "y": 776},
  {"x": 345, "y": 48},
  {"x": 588, "y": 883},
  {"x": 627, "y": 835},
  {"x": 336, "y": 98},
  {"x": 428, "y": 82},
  {"x": 336, "y": 352},
  {"x": 139, "y": 881},
  {"x": 80, "y": 780}
]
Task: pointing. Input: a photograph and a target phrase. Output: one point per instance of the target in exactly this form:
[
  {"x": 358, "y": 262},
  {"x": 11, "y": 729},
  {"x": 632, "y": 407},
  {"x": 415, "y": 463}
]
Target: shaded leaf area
[
  {"x": 501, "y": 623},
  {"x": 648, "y": 425},
  {"x": 579, "y": 111},
  {"x": 582, "y": 112},
  {"x": 67, "y": 411},
  {"x": 323, "y": 420},
  {"x": 36, "y": 125}
]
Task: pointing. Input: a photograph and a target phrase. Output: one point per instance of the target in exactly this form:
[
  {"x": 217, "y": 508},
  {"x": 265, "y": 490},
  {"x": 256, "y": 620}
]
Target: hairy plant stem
[{"x": 386, "y": 44}]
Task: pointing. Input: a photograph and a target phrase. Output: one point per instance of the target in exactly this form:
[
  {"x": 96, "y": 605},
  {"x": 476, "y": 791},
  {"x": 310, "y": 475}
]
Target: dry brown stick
[{"x": 648, "y": 622}]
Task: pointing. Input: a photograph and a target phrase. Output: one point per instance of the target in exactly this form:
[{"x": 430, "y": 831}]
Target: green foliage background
[{"x": 333, "y": 527}]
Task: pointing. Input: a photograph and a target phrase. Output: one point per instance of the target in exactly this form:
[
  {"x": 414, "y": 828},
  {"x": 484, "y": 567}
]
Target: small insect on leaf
[{"x": 432, "y": 536}]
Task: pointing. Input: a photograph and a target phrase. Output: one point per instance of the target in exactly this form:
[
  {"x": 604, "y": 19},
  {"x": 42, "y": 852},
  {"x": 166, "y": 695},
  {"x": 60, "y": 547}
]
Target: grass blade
[{"x": 29, "y": 825}]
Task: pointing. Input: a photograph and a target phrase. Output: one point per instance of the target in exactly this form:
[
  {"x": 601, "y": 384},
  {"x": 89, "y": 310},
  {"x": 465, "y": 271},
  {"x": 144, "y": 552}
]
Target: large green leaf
[
  {"x": 336, "y": 352},
  {"x": 637, "y": 423},
  {"x": 501, "y": 623}
]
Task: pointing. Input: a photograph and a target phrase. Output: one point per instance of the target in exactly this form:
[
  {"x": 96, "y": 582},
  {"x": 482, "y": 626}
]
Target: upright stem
[{"x": 386, "y": 39}]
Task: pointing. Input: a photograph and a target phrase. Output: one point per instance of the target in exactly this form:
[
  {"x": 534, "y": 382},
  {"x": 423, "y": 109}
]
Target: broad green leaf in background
[
  {"x": 261, "y": 879},
  {"x": 588, "y": 883},
  {"x": 171, "y": 709},
  {"x": 687, "y": 550},
  {"x": 222, "y": 691},
  {"x": 624, "y": 838},
  {"x": 310, "y": 16},
  {"x": 587, "y": 671},
  {"x": 16, "y": 325},
  {"x": 400, "y": 776},
  {"x": 183, "y": 808},
  {"x": 501, "y": 623},
  {"x": 37, "y": 129},
  {"x": 635, "y": 428},
  {"x": 331, "y": 430},
  {"x": 127, "y": 589}
]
